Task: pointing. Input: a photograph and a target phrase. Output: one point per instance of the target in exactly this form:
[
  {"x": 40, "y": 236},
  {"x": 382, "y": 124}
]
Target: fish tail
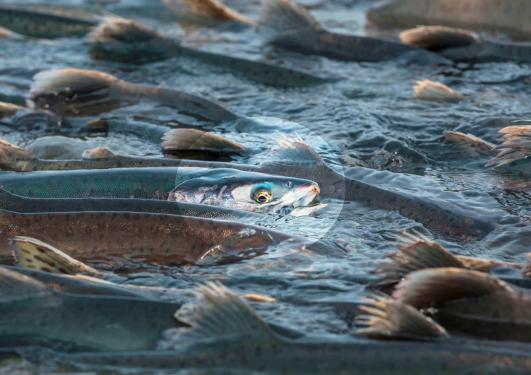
[
  {"x": 433, "y": 287},
  {"x": 435, "y": 38},
  {"x": 415, "y": 252},
  {"x": 283, "y": 17},
  {"x": 435, "y": 91},
  {"x": 13, "y": 157},
  {"x": 208, "y": 9},
  {"x": 38, "y": 255},
  {"x": 516, "y": 145},
  {"x": 384, "y": 318}
]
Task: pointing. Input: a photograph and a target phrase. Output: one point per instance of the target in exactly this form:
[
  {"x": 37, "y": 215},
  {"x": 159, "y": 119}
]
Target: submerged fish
[
  {"x": 294, "y": 158},
  {"x": 512, "y": 17},
  {"x": 47, "y": 21},
  {"x": 417, "y": 252},
  {"x": 464, "y": 45},
  {"x": 291, "y": 27},
  {"x": 145, "y": 237},
  {"x": 36, "y": 313},
  {"x": 77, "y": 92},
  {"x": 17, "y": 203},
  {"x": 226, "y": 333},
  {"x": 127, "y": 41},
  {"x": 251, "y": 191},
  {"x": 469, "y": 303}
]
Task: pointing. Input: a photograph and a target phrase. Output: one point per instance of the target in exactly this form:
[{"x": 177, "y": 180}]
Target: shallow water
[{"x": 366, "y": 119}]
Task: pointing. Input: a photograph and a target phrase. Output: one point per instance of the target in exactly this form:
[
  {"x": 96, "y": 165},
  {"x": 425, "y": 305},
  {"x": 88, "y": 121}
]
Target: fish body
[
  {"x": 46, "y": 22},
  {"x": 34, "y": 313},
  {"x": 16, "y": 203},
  {"x": 290, "y": 26},
  {"x": 512, "y": 17},
  {"x": 127, "y": 41},
  {"x": 225, "y": 333},
  {"x": 151, "y": 238}
]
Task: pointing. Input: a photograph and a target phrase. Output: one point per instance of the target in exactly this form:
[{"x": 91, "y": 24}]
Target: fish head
[{"x": 249, "y": 191}]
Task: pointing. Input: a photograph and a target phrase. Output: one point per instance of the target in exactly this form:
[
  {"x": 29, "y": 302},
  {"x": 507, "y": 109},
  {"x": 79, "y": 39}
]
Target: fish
[
  {"x": 127, "y": 41},
  {"x": 514, "y": 153},
  {"x": 33, "y": 256},
  {"x": 469, "y": 303},
  {"x": 79, "y": 92},
  {"x": 225, "y": 332},
  {"x": 484, "y": 15},
  {"x": 417, "y": 252},
  {"x": 290, "y": 26},
  {"x": 16, "y": 203},
  {"x": 293, "y": 158},
  {"x": 181, "y": 142},
  {"x": 465, "y": 45},
  {"x": 230, "y": 188},
  {"x": 470, "y": 144},
  {"x": 50, "y": 21},
  {"x": 37, "y": 313},
  {"x": 146, "y": 237}
]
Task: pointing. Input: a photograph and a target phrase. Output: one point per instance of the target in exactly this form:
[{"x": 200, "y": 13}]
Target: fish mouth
[{"x": 301, "y": 197}]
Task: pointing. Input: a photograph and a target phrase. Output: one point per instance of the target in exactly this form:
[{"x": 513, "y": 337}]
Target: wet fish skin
[
  {"x": 42, "y": 22},
  {"x": 130, "y": 42},
  {"x": 225, "y": 333},
  {"x": 151, "y": 238},
  {"x": 16, "y": 203}
]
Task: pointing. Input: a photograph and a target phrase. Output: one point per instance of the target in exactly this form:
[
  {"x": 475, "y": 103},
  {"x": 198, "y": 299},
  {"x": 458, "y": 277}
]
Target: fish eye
[{"x": 262, "y": 196}]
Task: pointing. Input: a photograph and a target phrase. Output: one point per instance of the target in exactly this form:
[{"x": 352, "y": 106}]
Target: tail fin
[
  {"x": 197, "y": 140},
  {"x": 434, "y": 287},
  {"x": 415, "y": 252},
  {"x": 38, "y": 255},
  {"x": 384, "y": 318},
  {"x": 219, "y": 312},
  {"x": 438, "y": 37},
  {"x": 516, "y": 145},
  {"x": 469, "y": 142},
  {"x": 13, "y": 157},
  {"x": 435, "y": 91},
  {"x": 281, "y": 17},
  {"x": 207, "y": 9},
  {"x": 73, "y": 92}
]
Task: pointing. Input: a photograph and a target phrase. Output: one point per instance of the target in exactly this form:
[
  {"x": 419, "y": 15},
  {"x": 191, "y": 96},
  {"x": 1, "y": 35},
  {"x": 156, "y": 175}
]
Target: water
[{"x": 367, "y": 119}]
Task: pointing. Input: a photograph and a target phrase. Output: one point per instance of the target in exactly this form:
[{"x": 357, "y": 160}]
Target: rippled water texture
[{"x": 367, "y": 118}]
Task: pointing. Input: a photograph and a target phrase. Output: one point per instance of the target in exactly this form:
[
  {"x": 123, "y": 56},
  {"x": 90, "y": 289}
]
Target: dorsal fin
[
  {"x": 187, "y": 139},
  {"x": 434, "y": 287},
  {"x": 384, "y": 318},
  {"x": 15, "y": 285},
  {"x": 220, "y": 313},
  {"x": 469, "y": 142},
  {"x": 295, "y": 152},
  {"x": 11, "y": 156},
  {"x": 415, "y": 252},
  {"x": 516, "y": 145},
  {"x": 38, "y": 255},
  {"x": 207, "y": 9},
  {"x": 9, "y": 109},
  {"x": 97, "y": 153},
  {"x": 435, "y": 91},
  {"x": 282, "y": 17},
  {"x": 438, "y": 37}
]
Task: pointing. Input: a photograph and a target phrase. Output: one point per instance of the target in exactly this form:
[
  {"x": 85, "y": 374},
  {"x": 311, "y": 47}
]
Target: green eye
[{"x": 262, "y": 196}]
